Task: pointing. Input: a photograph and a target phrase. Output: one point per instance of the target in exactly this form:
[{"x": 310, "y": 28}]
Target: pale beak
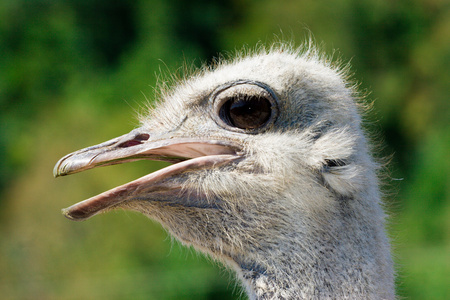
[{"x": 188, "y": 153}]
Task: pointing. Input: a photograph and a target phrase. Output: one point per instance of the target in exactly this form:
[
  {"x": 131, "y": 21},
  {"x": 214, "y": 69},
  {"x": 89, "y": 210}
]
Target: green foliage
[{"x": 72, "y": 73}]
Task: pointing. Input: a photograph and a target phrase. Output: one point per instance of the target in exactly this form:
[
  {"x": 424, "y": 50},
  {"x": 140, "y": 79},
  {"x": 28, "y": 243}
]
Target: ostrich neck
[{"x": 351, "y": 260}]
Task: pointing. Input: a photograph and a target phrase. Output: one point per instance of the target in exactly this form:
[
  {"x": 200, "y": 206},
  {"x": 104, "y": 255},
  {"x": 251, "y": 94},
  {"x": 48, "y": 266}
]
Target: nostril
[
  {"x": 136, "y": 141},
  {"x": 129, "y": 143},
  {"x": 142, "y": 137}
]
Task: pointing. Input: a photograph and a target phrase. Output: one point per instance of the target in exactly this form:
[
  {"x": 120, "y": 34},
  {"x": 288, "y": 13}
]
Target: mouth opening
[{"x": 186, "y": 154}]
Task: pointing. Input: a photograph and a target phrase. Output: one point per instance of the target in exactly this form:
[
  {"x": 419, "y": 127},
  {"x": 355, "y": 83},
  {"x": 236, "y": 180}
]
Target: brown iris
[{"x": 246, "y": 112}]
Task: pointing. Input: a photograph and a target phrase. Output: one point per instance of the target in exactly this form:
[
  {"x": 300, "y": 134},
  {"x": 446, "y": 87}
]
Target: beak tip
[
  {"x": 56, "y": 173},
  {"x": 66, "y": 167},
  {"x": 65, "y": 212},
  {"x": 68, "y": 215},
  {"x": 59, "y": 169}
]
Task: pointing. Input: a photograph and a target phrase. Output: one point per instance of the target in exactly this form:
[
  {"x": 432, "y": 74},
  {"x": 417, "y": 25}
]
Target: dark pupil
[{"x": 246, "y": 112}]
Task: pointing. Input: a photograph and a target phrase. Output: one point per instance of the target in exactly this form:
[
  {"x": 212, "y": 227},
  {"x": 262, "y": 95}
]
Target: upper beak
[
  {"x": 137, "y": 145},
  {"x": 190, "y": 153}
]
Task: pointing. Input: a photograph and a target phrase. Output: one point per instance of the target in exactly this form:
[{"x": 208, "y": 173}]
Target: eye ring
[{"x": 244, "y": 106}]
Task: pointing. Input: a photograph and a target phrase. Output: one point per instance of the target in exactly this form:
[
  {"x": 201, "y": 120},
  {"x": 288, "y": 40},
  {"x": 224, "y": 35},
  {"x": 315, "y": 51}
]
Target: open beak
[{"x": 187, "y": 153}]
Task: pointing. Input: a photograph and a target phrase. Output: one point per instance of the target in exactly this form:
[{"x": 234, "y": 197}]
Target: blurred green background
[{"x": 73, "y": 73}]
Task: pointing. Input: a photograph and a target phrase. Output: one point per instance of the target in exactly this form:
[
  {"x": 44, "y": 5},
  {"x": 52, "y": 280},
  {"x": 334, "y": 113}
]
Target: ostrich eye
[
  {"x": 244, "y": 106},
  {"x": 246, "y": 112}
]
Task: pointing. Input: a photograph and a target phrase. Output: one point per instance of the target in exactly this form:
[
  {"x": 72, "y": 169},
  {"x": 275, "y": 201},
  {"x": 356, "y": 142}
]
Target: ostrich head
[{"x": 271, "y": 175}]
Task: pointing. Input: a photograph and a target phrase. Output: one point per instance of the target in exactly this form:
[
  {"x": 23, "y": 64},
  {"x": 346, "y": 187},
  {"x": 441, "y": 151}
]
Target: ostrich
[{"x": 271, "y": 175}]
